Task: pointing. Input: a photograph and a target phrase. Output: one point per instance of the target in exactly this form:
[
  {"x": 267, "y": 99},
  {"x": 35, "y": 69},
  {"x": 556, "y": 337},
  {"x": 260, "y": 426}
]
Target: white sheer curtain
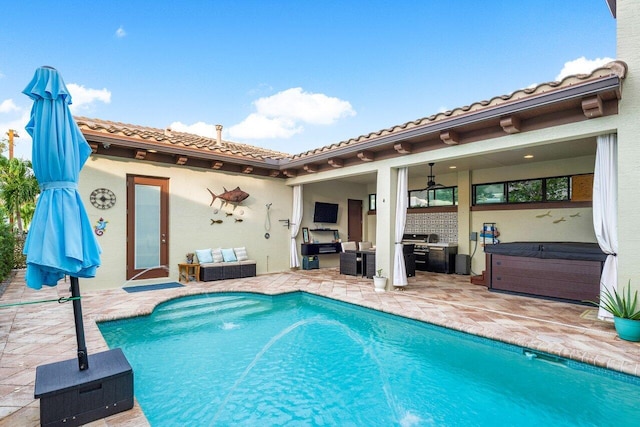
[
  {"x": 605, "y": 211},
  {"x": 296, "y": 218},
  {"x": 399, "y": 269}
]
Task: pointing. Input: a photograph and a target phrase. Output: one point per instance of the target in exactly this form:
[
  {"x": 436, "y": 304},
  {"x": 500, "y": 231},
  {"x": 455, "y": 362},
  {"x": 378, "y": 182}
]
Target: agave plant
[{"x": 620, "y": 304}]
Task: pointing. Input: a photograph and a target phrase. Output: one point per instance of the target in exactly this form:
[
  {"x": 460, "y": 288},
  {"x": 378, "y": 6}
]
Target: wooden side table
[{"x": 188, "y": 272}]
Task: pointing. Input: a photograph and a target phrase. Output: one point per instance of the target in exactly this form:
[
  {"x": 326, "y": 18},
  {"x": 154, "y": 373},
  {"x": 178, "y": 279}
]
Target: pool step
[
  {"x": 214, "y": 315},
  {"x": 192, "y": 302},
  {"x": 210, "y": 308}
]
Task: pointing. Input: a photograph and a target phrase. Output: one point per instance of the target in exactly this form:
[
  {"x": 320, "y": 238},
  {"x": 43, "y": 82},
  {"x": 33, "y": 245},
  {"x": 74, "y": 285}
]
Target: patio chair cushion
[
  {"x": 217, "y": 255},
  {"x": 241, "y": 253},
  {"x": 348, "y": 246},
  {"x": 212, "y": 264},
  {"x": 363, "y": 246},
  {"x": 229, "y": 255},
  {"x": 204, "y": 255}
]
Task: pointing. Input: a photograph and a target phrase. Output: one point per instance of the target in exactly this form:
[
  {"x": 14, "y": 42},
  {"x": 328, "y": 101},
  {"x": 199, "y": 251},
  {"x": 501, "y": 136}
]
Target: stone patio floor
[{"x": 37, "y": 334}]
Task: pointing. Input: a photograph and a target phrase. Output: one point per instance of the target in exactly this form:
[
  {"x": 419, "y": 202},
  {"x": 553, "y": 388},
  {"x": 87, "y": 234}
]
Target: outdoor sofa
[{"x": 225, "y": 263}]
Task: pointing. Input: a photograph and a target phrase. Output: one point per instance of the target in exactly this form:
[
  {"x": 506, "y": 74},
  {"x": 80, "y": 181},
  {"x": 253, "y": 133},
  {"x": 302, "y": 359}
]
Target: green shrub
[
  {"x": 19, "y": 259},
  {"x": 7, "y": 247}
]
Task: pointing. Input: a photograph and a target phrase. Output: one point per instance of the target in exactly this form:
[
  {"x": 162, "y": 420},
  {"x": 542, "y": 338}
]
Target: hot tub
[{"x": 567, "y": 271}]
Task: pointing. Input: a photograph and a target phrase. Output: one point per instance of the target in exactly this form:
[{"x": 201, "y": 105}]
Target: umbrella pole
[{"x": 83, "y": 357}]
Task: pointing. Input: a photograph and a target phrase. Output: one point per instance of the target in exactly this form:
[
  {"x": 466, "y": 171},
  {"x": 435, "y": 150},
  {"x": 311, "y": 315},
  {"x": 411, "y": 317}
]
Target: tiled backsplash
[{"x": 444, "y": 224}]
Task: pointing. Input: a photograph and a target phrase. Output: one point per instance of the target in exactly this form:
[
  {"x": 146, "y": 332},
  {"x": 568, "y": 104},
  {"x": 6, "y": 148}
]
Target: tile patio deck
[{"x": 36, "y": 334}]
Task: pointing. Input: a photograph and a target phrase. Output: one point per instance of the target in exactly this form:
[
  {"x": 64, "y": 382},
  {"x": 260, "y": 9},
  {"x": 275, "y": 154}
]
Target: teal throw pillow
[{"x": 228, "y": 255}]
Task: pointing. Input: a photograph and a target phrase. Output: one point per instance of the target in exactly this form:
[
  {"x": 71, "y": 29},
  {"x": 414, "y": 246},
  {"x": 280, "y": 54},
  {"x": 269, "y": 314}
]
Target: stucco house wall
[
  {"x": 628, "y": 41},
  {"x": 189, "y": 216}
]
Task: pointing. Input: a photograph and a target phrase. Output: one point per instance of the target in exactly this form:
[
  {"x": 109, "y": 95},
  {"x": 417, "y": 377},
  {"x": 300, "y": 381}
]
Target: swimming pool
[{"x": 299, "y": 359}]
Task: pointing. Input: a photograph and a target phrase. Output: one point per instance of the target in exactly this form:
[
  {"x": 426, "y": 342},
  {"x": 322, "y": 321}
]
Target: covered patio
[{"x": 36, "y": 334}]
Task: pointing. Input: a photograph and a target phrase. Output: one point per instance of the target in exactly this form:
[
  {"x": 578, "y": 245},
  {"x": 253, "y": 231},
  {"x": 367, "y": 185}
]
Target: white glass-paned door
[{"x": 147, "y": 234}]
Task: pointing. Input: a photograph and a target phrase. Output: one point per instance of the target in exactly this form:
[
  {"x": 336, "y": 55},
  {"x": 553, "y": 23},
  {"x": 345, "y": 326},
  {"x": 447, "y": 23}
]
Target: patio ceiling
[{"x": 513, "y": 157}]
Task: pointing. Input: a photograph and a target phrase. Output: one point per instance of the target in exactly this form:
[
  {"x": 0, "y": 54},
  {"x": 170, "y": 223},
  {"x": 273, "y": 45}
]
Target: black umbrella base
[{"x": 71, "y": 397}]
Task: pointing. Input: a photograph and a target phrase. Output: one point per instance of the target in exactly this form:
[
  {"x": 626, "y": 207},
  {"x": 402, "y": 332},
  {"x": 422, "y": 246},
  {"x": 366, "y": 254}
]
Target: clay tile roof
[
  {"x": 617, "y": 68},
  {"x": 181, "y": 139},
  {"x": 171, "y": 137}
]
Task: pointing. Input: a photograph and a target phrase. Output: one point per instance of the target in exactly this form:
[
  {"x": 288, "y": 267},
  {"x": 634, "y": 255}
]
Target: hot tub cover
[{"x": 550, "y": 250}]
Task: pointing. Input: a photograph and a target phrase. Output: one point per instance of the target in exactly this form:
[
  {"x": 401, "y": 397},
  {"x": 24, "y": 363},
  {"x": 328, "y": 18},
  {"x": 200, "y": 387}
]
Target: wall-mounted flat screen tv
[{"x": 326, "y": 213}]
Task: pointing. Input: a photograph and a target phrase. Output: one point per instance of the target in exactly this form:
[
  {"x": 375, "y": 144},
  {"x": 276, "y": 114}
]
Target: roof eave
[
  {"x": 577, "y": 91},
  {"x": 108, "y": 140}
]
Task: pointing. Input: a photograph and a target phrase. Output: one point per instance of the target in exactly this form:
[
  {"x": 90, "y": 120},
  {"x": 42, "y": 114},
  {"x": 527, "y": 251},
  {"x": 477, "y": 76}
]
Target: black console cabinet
[{"x": 320, "y": 248}]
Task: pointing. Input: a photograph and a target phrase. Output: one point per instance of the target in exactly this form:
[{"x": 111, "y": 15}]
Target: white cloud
[
  {"x": 581, "y": 65},
  {"x": 120, "y": 32},
  {"x": 8, "y": 105},
  {"x": 198, "y": 128},
  {"x": 83, "y": 97},
  {"x": 257, "y": 126},
  {"x": 284, "y": 114},
  {"x": 315, "y": 108},
  {"x": 22, "y": 143}
]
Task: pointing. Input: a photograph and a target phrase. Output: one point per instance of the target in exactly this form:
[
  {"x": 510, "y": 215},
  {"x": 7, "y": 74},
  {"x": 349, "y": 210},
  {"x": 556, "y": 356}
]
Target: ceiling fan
[{"x": 431, "y": 184}]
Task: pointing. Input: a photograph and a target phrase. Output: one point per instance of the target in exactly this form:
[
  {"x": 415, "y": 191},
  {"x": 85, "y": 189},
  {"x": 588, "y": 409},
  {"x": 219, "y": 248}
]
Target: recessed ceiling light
[
  {"x": 452, "y": 167},
  {"x": 528, "y": 156}
]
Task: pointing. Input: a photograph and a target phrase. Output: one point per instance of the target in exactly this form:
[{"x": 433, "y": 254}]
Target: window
[
  {"x": 558, "y": 188},
  {"x": 524, "y": 191},
  {"x": 447, "y": 196},
  {"x": 372, "y": 202},
  {"x": 536, "y": 190},
  {"x": 489, "y": 193}
]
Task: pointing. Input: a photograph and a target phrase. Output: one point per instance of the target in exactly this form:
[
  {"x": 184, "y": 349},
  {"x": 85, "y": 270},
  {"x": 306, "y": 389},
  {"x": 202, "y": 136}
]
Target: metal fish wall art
[
  {"x": 559, "y": 220},
  {"x": 543, "y": 215},
  {"x": 575, "y": 215},
  {"x": 229, "y": 213},
  {"x": 216, "y": 221},
  {"x": 239, "y": 220},
  {"x": 233, "y": 197}
]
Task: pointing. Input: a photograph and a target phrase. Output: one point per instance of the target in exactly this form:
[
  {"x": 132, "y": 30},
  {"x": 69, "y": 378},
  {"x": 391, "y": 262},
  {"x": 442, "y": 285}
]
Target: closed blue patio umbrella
[{"x": 60, "y": 240}]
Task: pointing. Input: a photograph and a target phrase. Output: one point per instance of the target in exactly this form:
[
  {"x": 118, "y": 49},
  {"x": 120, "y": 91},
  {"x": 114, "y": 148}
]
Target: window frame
[
  {"x": 430, "y": 192},
  {"x": 509, "y": 200}
]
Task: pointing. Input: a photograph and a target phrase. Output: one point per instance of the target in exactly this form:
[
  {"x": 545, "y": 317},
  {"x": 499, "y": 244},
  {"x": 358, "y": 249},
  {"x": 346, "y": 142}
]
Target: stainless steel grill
[{"x": 421, "y": 248}]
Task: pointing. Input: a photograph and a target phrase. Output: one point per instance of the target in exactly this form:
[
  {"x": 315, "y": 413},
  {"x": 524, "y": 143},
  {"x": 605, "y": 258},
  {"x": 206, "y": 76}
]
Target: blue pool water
[{"x": 298, "y": 359}]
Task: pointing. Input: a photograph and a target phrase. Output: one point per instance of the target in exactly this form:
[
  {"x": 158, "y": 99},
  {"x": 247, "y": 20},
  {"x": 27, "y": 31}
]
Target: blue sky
[{"x": 290, "y": 75}]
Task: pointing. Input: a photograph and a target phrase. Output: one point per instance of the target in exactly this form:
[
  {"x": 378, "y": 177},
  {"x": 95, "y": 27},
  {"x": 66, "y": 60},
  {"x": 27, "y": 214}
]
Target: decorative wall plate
[{"x": 102, "y": 198}]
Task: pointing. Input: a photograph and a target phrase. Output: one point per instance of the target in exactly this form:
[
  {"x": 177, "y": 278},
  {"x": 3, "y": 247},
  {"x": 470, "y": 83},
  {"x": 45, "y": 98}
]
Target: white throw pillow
[
  {"x": 217, "y": 255},
  {"x": 241, "y": 253},
  {"x": 204, "y": 255}
]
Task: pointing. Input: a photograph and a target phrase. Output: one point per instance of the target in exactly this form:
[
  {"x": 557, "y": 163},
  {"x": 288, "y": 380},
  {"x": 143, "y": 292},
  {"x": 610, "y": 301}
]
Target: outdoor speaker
[{"x": 463, "y": 264}]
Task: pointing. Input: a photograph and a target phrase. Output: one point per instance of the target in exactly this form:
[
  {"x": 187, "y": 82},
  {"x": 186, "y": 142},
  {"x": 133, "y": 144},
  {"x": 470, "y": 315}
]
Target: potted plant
[
  {"x": 379, "y": 281},
  {"x": 622, "y": 306}
]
